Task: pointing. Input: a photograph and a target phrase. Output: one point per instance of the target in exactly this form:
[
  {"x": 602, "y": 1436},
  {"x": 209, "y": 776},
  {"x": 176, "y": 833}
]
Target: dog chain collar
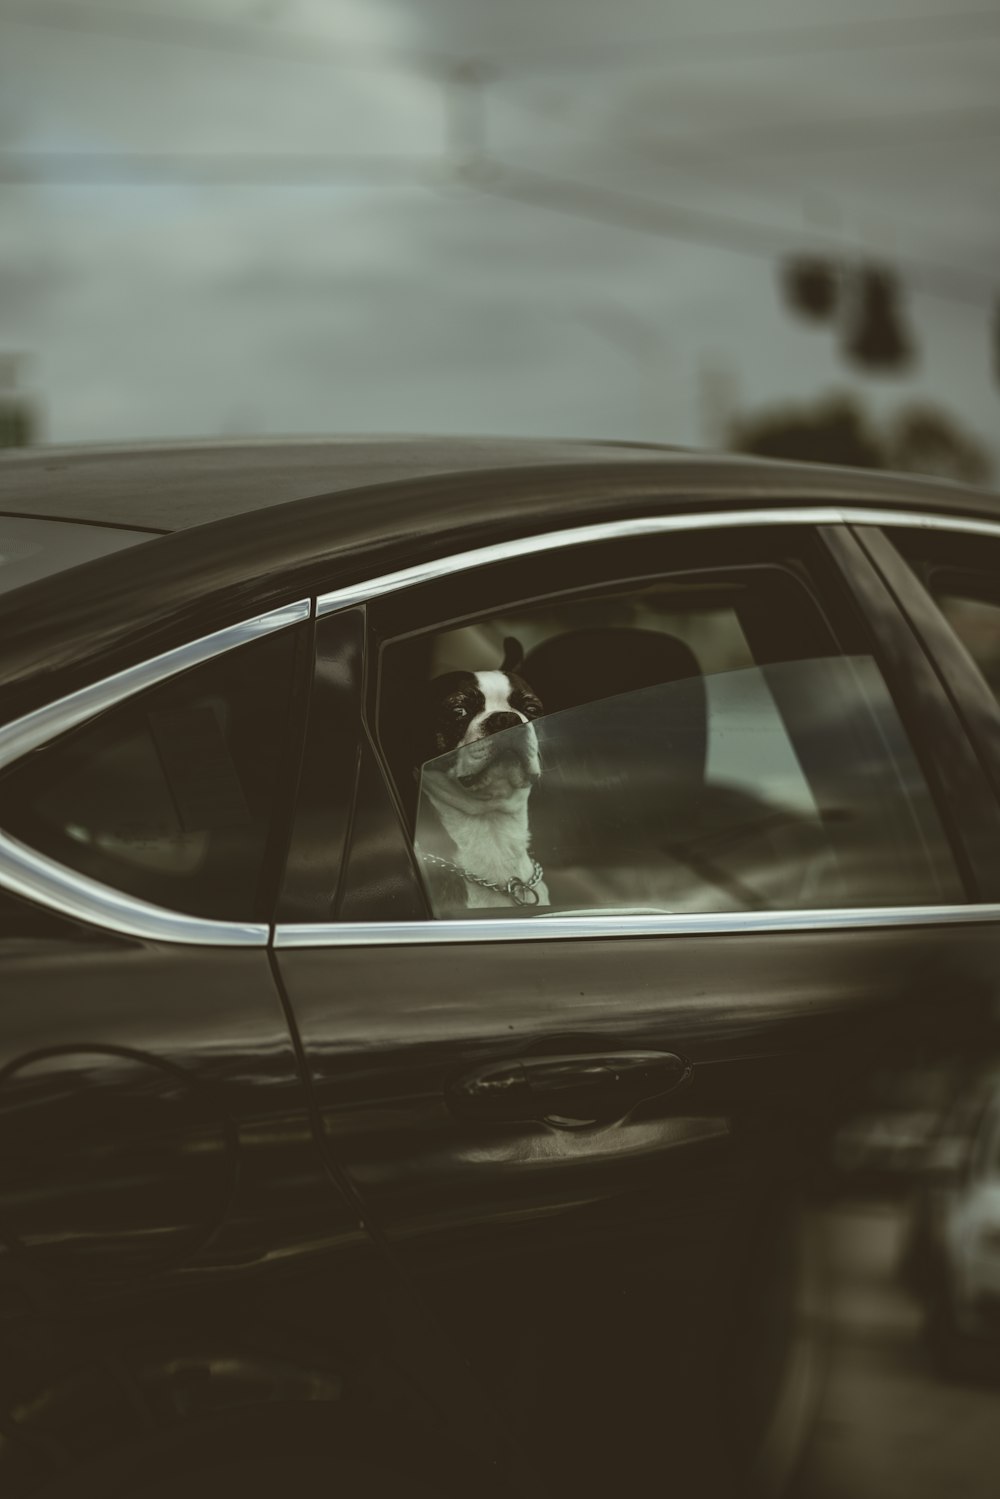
[{"x": 522, "y": 892}]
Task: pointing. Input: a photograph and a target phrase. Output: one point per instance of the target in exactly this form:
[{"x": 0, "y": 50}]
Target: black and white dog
[{"x": 482, "y": 762}]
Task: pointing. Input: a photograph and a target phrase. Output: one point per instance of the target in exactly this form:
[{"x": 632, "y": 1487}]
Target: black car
[{"x": 312, "y": 1174}]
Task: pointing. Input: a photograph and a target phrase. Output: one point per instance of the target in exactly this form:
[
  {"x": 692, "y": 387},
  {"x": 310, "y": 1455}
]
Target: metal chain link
[{"x": 518, "y": 890}]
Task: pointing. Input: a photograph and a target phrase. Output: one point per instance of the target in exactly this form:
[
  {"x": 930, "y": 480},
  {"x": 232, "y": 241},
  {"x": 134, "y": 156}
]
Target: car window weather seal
[
  {"x": 692, "y": 924},
  {"x": 637, "y": 526}
]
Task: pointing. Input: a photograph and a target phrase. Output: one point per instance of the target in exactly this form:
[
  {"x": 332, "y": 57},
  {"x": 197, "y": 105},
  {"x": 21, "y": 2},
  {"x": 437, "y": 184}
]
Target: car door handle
[{"x": 593, "y": 1088}]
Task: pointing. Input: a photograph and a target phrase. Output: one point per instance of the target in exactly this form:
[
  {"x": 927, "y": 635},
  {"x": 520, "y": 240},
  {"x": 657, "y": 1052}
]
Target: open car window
[
  {"x": 785, "y": 786},
  {"x": 698, "y": 726}
]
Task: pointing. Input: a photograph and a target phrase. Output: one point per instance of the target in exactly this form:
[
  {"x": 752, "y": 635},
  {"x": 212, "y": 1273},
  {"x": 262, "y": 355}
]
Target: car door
[
  {"x": 579, "y": 1126},
  {"x": 168, "y": 1225}
]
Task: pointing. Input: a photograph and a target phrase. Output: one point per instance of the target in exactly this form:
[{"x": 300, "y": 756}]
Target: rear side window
[
  {"x": 962, "y": 573},
  {"x": 976, "y": 622},
  {"x": 170, "y": 796},
  {"x": 700, "y": 742}
]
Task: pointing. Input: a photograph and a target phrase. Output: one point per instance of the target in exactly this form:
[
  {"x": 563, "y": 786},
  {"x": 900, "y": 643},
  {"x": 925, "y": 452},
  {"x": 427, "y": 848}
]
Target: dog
[{"x": 475, "y": 846}]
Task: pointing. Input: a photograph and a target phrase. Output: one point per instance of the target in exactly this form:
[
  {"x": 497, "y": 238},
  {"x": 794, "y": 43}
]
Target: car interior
[{"x": 689, "y": 761}]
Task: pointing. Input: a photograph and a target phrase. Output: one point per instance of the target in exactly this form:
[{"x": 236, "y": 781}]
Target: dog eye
[
  {"x": 459, "y": 712},
  {"x": 531, "y": 710}
]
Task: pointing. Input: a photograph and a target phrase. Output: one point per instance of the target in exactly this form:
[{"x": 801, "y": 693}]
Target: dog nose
[{"x": 499, "y": 721}]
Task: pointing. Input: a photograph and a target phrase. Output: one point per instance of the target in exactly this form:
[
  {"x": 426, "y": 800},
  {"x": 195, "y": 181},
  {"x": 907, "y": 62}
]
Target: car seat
[
  {"x": 624, "y": 746},
  {"x": 623, "y": 817}
]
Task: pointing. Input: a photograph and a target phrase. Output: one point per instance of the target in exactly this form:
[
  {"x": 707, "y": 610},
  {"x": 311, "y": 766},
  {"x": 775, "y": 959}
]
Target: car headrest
[
  {"x": 583, "y": 666},
  {"x": 623, "y": 739}
]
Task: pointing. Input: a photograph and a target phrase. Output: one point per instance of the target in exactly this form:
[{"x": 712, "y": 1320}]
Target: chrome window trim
[
  {"x": 37, "y": 728},
  {"x": 647, "y": 525},
  {"x": 28, "y": 873},
  {"x": 42, "y": 880},
  {"x": 556, "y": 928},
  {"x": 50, "y": 884},
  {"x": 923, "y": 522}
]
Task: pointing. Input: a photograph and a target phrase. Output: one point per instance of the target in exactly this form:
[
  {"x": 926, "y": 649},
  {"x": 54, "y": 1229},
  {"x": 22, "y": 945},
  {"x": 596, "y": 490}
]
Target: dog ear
[{"x": 513, "y": 654}]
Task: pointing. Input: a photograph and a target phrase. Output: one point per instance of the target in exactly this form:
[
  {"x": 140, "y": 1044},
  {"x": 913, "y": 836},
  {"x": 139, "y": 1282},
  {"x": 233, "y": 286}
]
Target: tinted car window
[
  {"x": 692, "y": 796},
  {"x": 976, "y": 621},
  {"x": 170, "y": 795},
  {"x": 704, "y": 745},
  {"x": 963, "y": 575}
]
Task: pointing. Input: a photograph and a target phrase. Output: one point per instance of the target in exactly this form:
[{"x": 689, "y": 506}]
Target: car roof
[
  {"x": 163, "y": 487},
  {"x": 256, "y": 523},
  {"x": 168, "y": 487}
]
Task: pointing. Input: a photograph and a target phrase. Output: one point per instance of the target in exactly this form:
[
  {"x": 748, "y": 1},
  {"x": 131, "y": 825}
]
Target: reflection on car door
[
  {"x": 176, "y": 1260},
  {"x": 578, "y": 1136},
  {"x": 154, "y": 1134}
]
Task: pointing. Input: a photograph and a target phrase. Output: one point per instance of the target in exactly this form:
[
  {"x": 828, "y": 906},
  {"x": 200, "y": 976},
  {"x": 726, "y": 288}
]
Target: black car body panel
[
  {"x": 513, "y": 1203},
  {"x": 172, "y": 487},
  {"x": 33, "y": 549}
]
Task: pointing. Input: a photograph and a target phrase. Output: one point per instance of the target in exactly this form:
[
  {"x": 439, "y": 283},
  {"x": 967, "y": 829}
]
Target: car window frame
[
  {"x": 824, "y": 520},
  {"x": 321, "y": 818},
  {"x": 967, "y": 688},
  {"x": 26, "y": 872},
  {"x": 937, "y": 732},
  {"x": 50, "y": 885},
  {"x": 799, "y": 565}
]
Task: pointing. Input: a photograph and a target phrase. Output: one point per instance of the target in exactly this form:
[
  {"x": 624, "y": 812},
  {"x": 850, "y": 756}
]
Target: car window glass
[
  {"x": 168, "y": 796},
  {"x": 976, "y": 621},
  {"x": 963, "y": 575},
  {"x": 690, "y": 797},
  {"x": 702, "y": 745}
]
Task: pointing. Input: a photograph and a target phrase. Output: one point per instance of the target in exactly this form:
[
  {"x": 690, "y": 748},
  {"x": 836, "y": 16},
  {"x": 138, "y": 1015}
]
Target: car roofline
[
  {"x": 95, "y": 618},
  {"x": 160, "y": 488}
]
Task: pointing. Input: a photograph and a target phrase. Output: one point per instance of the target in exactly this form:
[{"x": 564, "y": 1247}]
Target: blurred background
[
  {"x": 773, "y": 228},
  {"x": 770, "y": 227}
]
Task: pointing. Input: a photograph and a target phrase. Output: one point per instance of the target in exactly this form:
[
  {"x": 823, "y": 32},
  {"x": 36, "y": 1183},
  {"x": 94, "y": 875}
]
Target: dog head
[{"x": 482, "y": 744}]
